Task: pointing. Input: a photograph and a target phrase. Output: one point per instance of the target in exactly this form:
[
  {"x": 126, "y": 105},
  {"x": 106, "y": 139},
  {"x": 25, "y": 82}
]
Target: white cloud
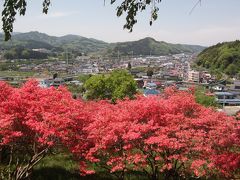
[{"x": 57, "y": 14}]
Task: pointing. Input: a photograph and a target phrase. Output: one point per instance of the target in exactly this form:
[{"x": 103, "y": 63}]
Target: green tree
[
  {"x": 129, "y": 7},
  {"x": 232, "y": 70},
  {"x": 76, "y": 90},
  {"x": 117, "y": 85},
  {"x": 84, "y": 77},
  {"x": 25, "y": 54},
  {"x": 10, "y": 54},
  {"x": 96, "y": 87}
]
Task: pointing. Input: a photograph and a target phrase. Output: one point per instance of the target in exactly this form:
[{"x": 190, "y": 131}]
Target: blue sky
[{"x": 212, "y": 22}]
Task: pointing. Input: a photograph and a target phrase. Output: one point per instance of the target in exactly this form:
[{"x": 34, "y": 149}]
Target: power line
[{"x": 198, "y": 3}]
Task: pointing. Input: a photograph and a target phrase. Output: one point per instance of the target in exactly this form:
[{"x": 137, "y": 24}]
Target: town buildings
[{"x": 193, "y": 76}]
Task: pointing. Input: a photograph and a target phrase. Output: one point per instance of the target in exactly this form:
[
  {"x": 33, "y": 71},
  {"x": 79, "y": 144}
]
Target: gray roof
[
  {"x": 148, "y": 92},
  {"x": 233, "y": 101},
  {"x": 223, "y": 94}
]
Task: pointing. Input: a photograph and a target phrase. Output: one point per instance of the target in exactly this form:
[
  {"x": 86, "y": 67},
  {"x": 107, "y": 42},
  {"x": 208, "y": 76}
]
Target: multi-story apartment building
[{"x": 193, "y": 76}]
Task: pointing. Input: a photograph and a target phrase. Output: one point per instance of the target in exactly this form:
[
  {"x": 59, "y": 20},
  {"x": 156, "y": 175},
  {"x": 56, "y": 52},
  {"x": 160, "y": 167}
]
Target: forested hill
[
  {"x": 78, "y": 45},
  {"x": 223, "y": 57},
  {"x": 34, "y": 39},
  {"x": 149, "y": 46}
]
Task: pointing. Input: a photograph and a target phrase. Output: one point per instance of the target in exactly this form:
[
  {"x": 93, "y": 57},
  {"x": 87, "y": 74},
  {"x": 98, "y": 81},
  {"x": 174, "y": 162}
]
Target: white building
[{"x": 193, "y": 76}]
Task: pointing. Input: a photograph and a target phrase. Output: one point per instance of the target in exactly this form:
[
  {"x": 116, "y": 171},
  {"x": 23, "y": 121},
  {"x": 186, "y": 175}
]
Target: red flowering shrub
[
  {"x": 34, "y": 119},
  {"x": 170, "y": 136}
]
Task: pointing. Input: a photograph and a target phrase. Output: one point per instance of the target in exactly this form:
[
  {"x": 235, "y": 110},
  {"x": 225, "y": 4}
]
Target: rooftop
[
  {"x": 148, "y": 92},
  {"x": 233, "y": 101},
  {"x": 223, "y": 94}
]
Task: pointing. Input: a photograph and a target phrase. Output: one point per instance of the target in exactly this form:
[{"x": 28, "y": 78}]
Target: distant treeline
[{"x": 23, "y": 53}]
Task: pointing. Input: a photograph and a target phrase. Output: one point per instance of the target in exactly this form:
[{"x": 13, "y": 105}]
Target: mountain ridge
[
  {"x": 82, "y": 44},
  {"x": 150, "y": 46}
]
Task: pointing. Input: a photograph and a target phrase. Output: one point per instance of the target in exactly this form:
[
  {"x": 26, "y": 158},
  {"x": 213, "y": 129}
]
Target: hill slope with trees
[
  {"x": 223, "y": 57},
  {"x": 82, "y": 45},
  {"x": 36, "y": 39},
  {"x": 149, "y": 46}
]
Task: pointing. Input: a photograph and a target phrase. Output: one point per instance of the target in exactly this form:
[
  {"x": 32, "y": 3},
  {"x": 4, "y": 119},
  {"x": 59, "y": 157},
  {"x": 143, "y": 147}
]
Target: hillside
[
  {"x": 78, "y": 45},
  {"x": 149, "y": 46},
  {"x": 34, "y": 39},
  {"x": 223, "y": 57}
]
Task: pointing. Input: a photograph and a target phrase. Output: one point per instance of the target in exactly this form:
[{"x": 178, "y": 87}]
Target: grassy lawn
[{"x": 62, "y": 167}]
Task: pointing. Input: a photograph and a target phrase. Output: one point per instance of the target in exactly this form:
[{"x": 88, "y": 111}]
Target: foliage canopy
[
  {"x": 117, "y": 85},
  {"x": 223, "y": 57}
]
